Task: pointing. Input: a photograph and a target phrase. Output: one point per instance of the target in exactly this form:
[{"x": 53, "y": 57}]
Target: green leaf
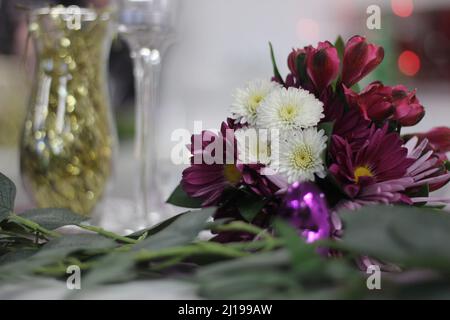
[
  {"x": 272, "y": 274},
  {"x": 181, "y": 199},
  {"x": 447, "y": 165},
  {"x": 393, "y": 126},
  {"x": 327, "y": 127},
  {"x": 237, "y": 278},
  {"x": 17, "y": 255},
  {"x": 423, "y": 191},
  {"x": 411, "y": 236},
  {"x": 54, "y": 252},
  {"x": 111, "y": 268},
  {"x": 53, "y": 218},
  {"x": 183, "y": 230},
  {"x": 300, "y": 64},
  {"x": 63, "y": 246},
  {"x": 250, "y": 263},
  {"x": 7, "y": 196},
  {"x": 274, "y": 64},
  {"x": 249, "y": 206},
  {"x": 340, "y": 47},
  {"x": 356, "y": 88},
  {"x": 157, "y": 228},
  {"x": 296, "y": 246}
]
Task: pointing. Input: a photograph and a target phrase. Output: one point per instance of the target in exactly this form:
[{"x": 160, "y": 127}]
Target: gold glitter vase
[{"x": 68, "y": 137}]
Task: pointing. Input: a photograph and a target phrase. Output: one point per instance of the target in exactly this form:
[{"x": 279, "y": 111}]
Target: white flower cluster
[{"x": 280, "y": 130}]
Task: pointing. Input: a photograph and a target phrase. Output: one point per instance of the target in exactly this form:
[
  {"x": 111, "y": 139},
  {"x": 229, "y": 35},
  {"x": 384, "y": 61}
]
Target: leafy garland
[{"x": 34, "y": 244}]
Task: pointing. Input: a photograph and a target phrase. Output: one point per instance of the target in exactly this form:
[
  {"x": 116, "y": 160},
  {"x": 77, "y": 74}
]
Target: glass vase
[{"x": 69, "y": 138}]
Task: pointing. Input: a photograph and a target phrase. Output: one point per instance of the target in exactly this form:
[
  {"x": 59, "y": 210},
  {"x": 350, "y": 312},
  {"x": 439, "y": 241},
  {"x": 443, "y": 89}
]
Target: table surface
[{"x": 43, "y": 289}]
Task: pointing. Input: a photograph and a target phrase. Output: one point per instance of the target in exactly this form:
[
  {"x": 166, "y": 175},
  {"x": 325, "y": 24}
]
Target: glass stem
[{"x": 147, "y": 66}]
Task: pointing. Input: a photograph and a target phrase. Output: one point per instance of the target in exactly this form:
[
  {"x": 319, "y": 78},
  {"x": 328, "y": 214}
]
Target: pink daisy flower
[
  {"x": 374, "y": 172},
  {"x": 206, "y": 180},
  {"x": 383, "y": 169}
]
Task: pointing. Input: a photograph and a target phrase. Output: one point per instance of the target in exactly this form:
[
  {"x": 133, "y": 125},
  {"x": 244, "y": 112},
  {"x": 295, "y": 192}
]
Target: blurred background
[{"x": 220, "y": 45}]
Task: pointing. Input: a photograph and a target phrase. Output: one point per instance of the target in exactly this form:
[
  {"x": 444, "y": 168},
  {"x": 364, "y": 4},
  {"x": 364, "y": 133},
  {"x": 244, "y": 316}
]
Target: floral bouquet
[
  {"x": 305, "y": 167},
  {"x": 305, "y": 147}
]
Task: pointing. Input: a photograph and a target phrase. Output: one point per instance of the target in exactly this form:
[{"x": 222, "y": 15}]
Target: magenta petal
[
  {"x": 360, "y": 58},
  {"x": 322, "y": 65}
]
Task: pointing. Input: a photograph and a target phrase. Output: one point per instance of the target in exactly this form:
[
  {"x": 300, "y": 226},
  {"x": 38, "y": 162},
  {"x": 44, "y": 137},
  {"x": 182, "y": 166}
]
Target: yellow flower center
[
  {"x": 362, "y": 171},
  {"x": 254, "y": 102},
  {"x": 231, "y": 173},
  {"x": 287, "y": 113},
  {"x": 302, "y": 157}
]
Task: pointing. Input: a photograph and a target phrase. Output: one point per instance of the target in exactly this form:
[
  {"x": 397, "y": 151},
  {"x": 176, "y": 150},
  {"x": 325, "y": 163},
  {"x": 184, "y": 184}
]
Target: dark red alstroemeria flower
[
  {"x": 360, "y": 58},
  {"x": 322, "y": 65},
  {"x": 292, "y": 59},
  {"x": 408, "y": 110},
  {"x": 438, "y": 139},
  {"x": 375, "y": 101},
  {"x": 378, "y": 102},
  {"x": 294, "y": 79}
]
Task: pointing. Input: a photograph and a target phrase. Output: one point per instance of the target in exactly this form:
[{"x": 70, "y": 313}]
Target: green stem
[
  {"x": 32, "y": 225},
  {"x": 200, "y": 248},
  {"x": 243, "y": 227},
  {"x": 108, "y": 234}
]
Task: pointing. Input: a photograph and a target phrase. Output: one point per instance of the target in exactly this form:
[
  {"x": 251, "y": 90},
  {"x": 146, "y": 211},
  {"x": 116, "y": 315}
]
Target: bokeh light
[
  {"x": 409, "y": 63},
  {"x": 402, "y": 8},
  {"x": 308, "y": 30}
]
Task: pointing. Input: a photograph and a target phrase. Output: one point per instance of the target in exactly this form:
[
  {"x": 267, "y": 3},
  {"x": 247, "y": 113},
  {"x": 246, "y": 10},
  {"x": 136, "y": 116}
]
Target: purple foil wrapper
[{"x": 305, "y": 207}]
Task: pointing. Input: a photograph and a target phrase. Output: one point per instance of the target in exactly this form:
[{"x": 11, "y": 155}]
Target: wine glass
[{"x": 148, "y": 26}]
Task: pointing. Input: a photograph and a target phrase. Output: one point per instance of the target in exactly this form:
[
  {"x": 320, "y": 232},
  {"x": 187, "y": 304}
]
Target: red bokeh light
[
  {"x": 409, "y": 63},
  {"x": 402, "y": 8}
]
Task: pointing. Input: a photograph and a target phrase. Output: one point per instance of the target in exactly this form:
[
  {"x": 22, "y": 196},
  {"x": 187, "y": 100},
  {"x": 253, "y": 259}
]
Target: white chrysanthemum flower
[
  {"x": 253, "y": 146},
  {"x": 247, "y": 100},
  {"x": 290, "y": 108},
  {"x": 300, "y": 155}
]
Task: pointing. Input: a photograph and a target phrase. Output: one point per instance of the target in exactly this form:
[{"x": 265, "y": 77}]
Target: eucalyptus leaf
[
  {"x": 17, "y": 255},
  {"x": 65, "y": 245},
  {"x": 272, "y": 274},
  {"x": 181, "y": 199},
  {"x": 183, "y": 230},
  {"x": 7, "y": 196},
  {"x": 111, "y": 268},
  {"x": 53, "y": 253},
  {"x": 157, "y": 228},
  {"x": 53, "y": 218},
  {"x": 411, "y": 236},
  {"x": 296, "y": 246},
  {"x": 251, "y": 263}
]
